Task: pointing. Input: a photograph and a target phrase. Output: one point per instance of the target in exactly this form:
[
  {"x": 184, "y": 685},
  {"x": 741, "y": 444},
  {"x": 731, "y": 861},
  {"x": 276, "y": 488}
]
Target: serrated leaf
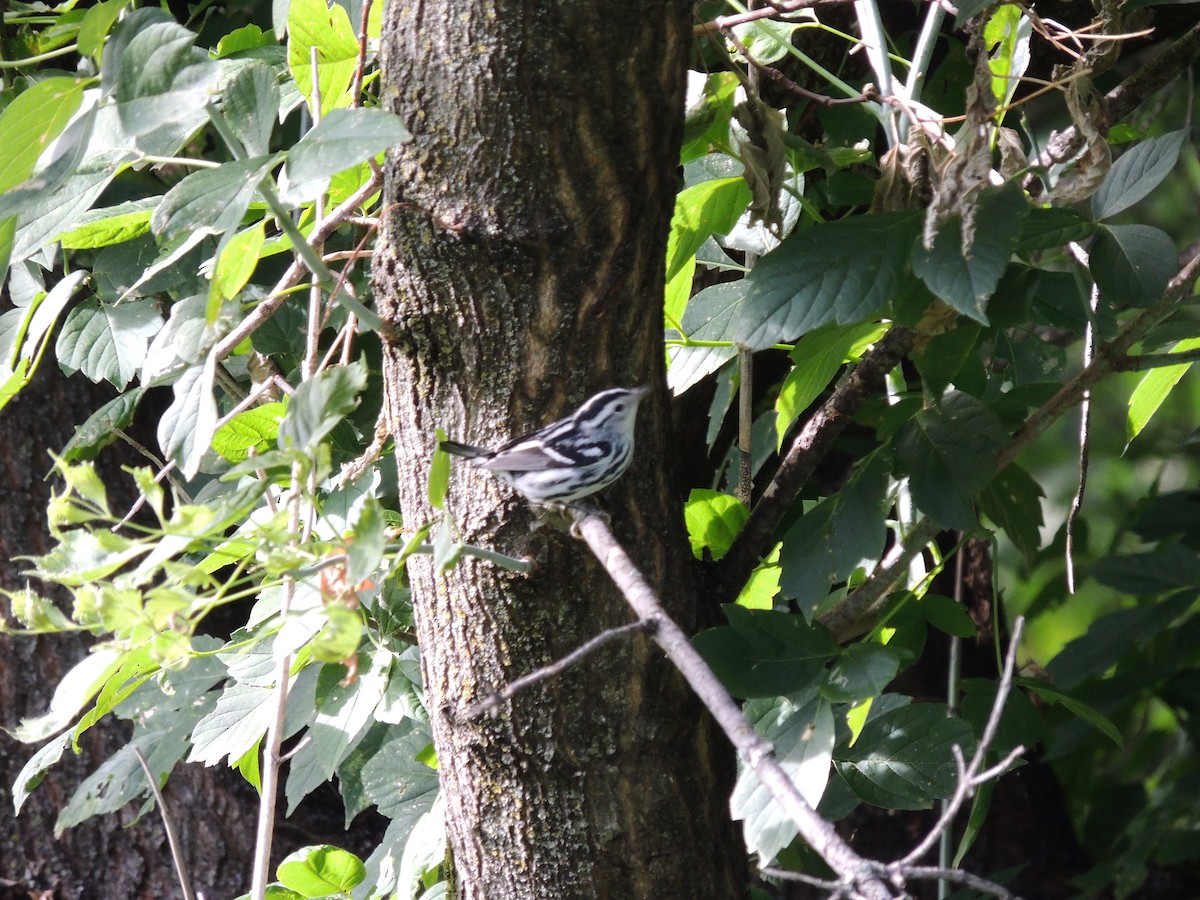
[
  {"x": 235, "y": 264},
  {"x": 1132, "y": 264},
  {"x": 803, "y": 738},
  {"x": 185, "y": 430},
  {"x": 1051, "y": 227},
  {"x": 253, "y": 429},
  {"x": 96, "y": 24},
  {"x": 1153, "y": 388},
  {"x": 29, "y": 123},
  {"x": 343, "y": 138},
  {"x": 709, "y": 316},
  {"x": 833, "y": 538},
  {"x": 944, "y": 356},
  {"x": 816, "y": 359},
  {"x": 949, "y": 456},
  {"x": 251, "y": 103},
  {"x": 1136, "y": 173},
  {"x": 946, "y": 615},
  {"x": 763, "y": 653},
  {"x": 320, "y": 871},
  {"x": 903, "y": 759},
  {"x": 320, "y": 403},
  {"x": 966, "y": 277},
  {"x": 312, "y": 23},
  {"x": 74, "y": 691},
  {"x": 713, "y": 521},
  {"x": 711, "y": 207},
  {"x": 1013, "y": 501},
  {"x": 107, "y": 341},
  {"x": 370, "y": 539},
  {"x": 155, "y": 72},
  {"x": 210, "y": 201},
  {"x": 860, "y": 672},
  {"x": 842, "y": 271},
  {"x": 122, "y": 223}
]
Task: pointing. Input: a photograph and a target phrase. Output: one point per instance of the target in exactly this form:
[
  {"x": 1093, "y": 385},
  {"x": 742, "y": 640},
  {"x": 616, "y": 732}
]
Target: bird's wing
[{"x": 526, "y": 455}]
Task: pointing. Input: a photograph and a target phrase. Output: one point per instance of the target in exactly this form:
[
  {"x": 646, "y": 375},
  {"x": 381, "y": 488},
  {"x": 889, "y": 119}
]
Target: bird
[{"x": 569, "y": 459}]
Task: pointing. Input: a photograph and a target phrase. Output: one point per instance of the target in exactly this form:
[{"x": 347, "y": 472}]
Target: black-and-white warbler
[{"x": 568, "y": 459}]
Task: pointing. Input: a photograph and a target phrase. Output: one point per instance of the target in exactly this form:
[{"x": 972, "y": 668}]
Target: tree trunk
[{"x": 520, "y": 270}]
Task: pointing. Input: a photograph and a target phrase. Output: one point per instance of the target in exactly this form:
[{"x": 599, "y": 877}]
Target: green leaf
[
  {"x": 1053, "y": 695},
  {"x": 343, "y": 138},
  {"x": 107, "y": 341},
  {"x": 251, "y": 105},
  {"x": 843, "y": 271},
  {"x": 35, "y": 769},
  {"x": 902, "y": 759},
  {"x": 1132, "y": 264},
  {"x": 156, "y": 74},
  {"x": 253, "y": 429},
  {"x": 836, "y": 536},
  {"x": 235, "y": 264},
  {"x": 210, "y": 201},
  {"x": 1153, "y": 388},
  {"x": 1007, "y": 32},
  {"x": 803, "y": 738},
  {"x": 1136, "y": 173},
  {"x": 75, "y": 689},
  {"x": 1051, "y": 227},
  {"x": 111, "y": 225},
  {"x": 946, "y": 615},
  {"x": 439, "y": 473},
  {"x": 369, "y": 540},
  {"x": 96, "y": 24},
  {"x": 311, "y": 23},
  {"x": 321, "y": 871},
  {"x": 967, "y": 277},
  {"x": 1111, "y": 637},
  {"x": 1013, "y": 501},
  {"x": 713, "y": 521},
  {"x": 29, "y": 123},
  {"x": 763, "y": 653},
  {"x": 944, "y": 356},
  {"x": 710, "y": 207},
  {"x": 709, "y": 316},
  {"x": 816, "y": 359},
  {"x": 861, "y": 671},
  {"x": 949, "y": 456},
  {"x": 320, "y": 403},
  {"x": 185, "y": 430}
]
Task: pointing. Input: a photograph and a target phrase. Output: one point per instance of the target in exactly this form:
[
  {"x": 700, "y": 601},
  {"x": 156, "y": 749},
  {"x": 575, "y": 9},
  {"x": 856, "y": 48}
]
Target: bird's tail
[{"x": 467, "y": 451}]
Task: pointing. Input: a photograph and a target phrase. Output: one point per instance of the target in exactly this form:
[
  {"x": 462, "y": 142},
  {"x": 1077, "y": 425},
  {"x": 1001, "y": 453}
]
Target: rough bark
[{"x": 520, "y": 269}]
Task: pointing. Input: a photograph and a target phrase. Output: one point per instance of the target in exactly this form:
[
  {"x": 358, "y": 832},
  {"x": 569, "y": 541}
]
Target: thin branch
[
  {"x": 958, "y": 876},
  {"x": 855, "y": 614},
  {"x": 787, "y": 84},
  {"x": 757, "y": 753},
  {"x": 973, "y": 776},
  {"x": 1125, "y": 97},
  {"x": 1142, "y": 361},
  {"x": 721, "y": 23},
  {"x": 806, "y": 451},
  {"x": 1108, "y": 360},
  {"x": 1085, "y": 422},
  {"x": 491, "y": 703},
  {"x": 185, "y": 883}
]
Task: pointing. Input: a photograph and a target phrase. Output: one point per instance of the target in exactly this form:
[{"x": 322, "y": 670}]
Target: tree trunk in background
[
  {"x": 520, "y": 270},
  {"x": 104, "y": 858}
]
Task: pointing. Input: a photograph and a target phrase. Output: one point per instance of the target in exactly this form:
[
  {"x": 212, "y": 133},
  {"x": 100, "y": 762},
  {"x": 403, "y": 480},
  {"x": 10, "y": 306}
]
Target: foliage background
[{"x": 161, "y": 246}]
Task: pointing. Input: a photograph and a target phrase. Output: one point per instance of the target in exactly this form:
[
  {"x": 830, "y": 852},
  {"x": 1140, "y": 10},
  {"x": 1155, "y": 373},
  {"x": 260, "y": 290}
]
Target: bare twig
[
  {"x": 973, "y": 775},
  {"x": 185, "y": 883},
  {"x": 491, "y": 703},
  {"x": 958, "y": 876},
  {"x": 757, "y": 753},
  {"x": 721, "y": 23},
  {"x": 1085, "y": 422},
  {"x": 788, "y": 85}
]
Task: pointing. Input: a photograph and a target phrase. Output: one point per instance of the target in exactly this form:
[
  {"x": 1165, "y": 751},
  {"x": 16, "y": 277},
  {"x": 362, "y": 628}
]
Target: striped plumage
[{"x": 568, "y": 459}]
